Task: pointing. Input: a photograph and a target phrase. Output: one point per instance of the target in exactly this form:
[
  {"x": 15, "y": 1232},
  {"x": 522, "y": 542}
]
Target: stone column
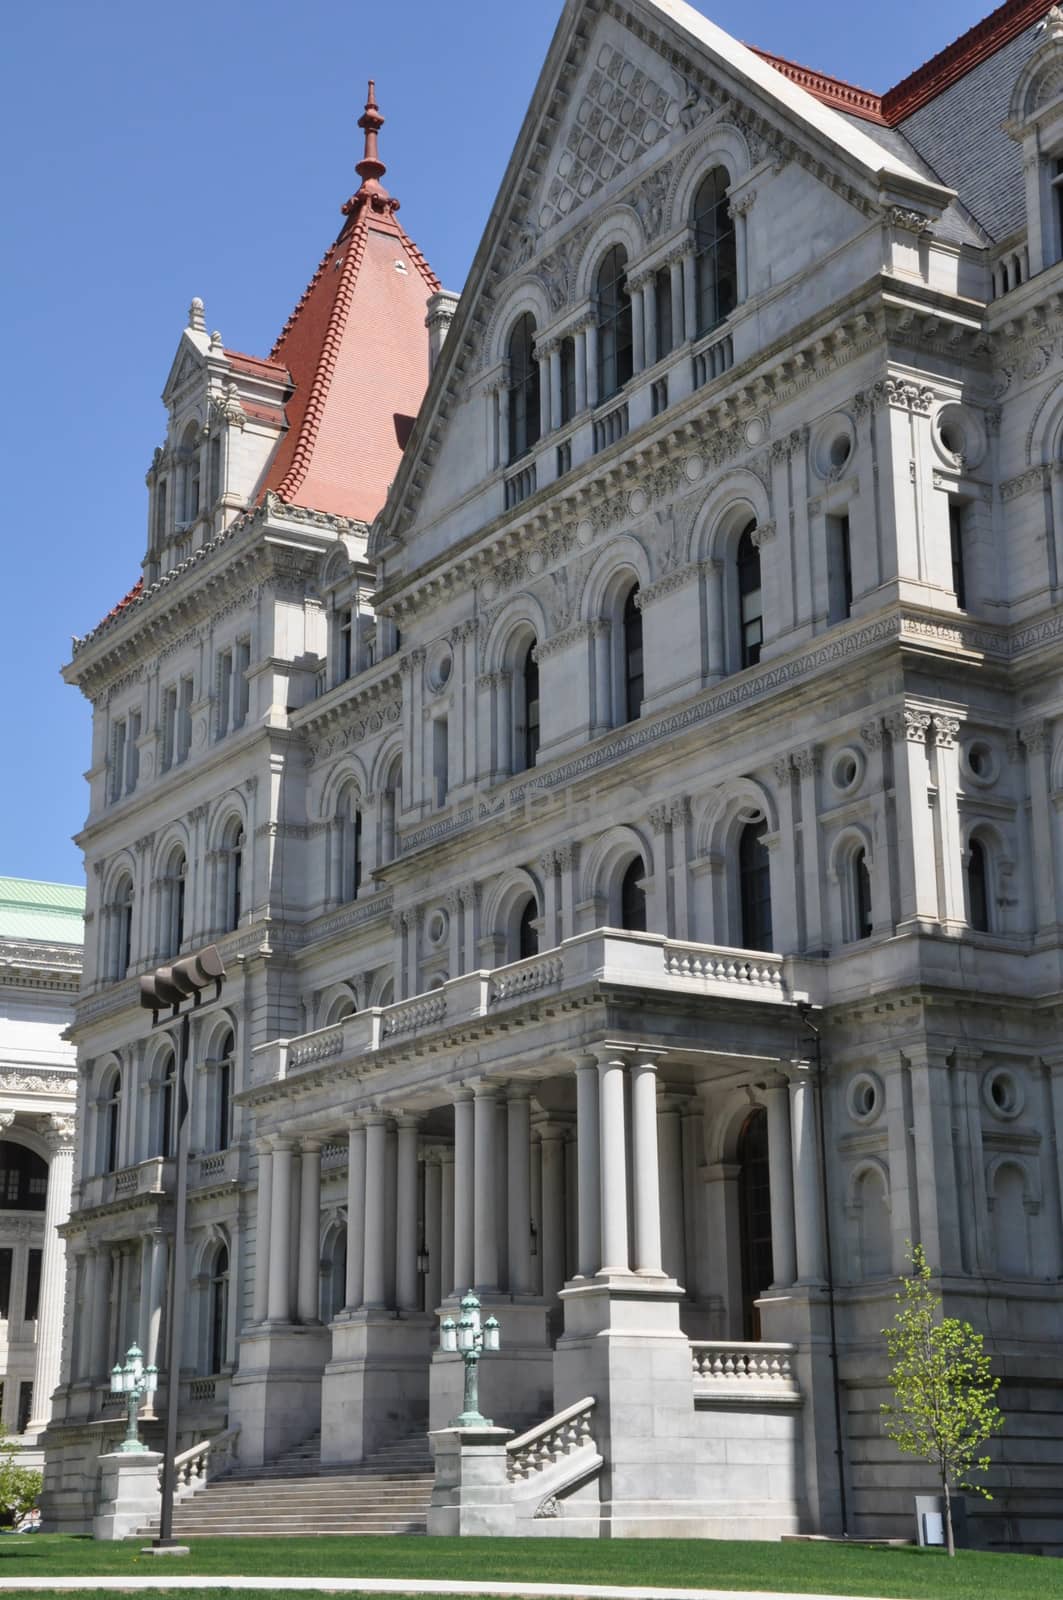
[
  {"x": 433, "y": 1231},
  {"x": 673, "y": 1226},
  {"x": 580, "y": 339},
  {"x": 781, "y": 1184},
  {"x": 503, "y": 426},
  {"x": 950, "y": 841},
  {"x": 603, "y": 675},
  {"x": 99, "y": 1365},
  {"x": 544, "y": 395},
  {"x": 592, "y": 363},
  {"x": 549, "y": 925},
  {"x": 680, "y": 819},
  {"x": 264, "y": 1209},
  {"x": 59, "y": 1132},
  {"x": 714, "y": 643},
  {"x": 551, "y": 1139},
  {"x": 588, "y": 1253},
  {"x": 808, "y": 1206},
  {"x": 1036, "y": 741},
  {"x": 309, "y": 1297},
  {"x": 464, "y": 1191},
  {"x": 355, "y": 1216},
  {"x": 809, "y": 765},
  {"x": 446, "y": 1224},
  {"x": 555, "y": 384},
  {"x": 613, "y": 1158},
  {"x": 638, "y": 329},
  {"x": 518, "y": 1112},
  {"x": 280, "y": 1233},
  {"x": 690, "y": 297},
  {"x": 680, "y": 331},
  {"x": 160, "y": 1252},
  {"x": 646, "y": 1169},
  {"x": 375, "y": 1273},
  {"x": 915, "y": 831},
  {"x": 485, "y": 1237},
  {"x": 407, "y": 1285},
  {"x": 649, "y": 318}
]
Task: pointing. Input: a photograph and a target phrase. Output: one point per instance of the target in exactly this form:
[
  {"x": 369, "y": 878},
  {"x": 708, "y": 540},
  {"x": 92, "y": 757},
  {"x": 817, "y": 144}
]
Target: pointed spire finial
[
  {"x": 371, "y": 169},
  {"x": 196, "y": 319}
]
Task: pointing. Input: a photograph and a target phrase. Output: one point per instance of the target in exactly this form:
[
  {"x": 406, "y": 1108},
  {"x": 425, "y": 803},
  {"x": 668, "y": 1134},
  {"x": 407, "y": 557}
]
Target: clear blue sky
[{"x": 153, "y": 152}]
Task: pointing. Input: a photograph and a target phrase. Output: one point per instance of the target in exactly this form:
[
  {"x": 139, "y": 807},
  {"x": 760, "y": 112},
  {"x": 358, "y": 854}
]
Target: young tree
[
  {"x": 944, "y": 1408},
  {"x": 20, "y": 1487}
]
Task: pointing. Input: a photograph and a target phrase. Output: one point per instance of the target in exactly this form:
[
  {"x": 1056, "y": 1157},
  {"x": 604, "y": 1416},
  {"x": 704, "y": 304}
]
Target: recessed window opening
[
  {"x": 633, "y": 898},
  {"x": 615, "y": 337},
  {"x": 662, "y": 295},
  {"x": 524, "y": 395},
  {"x": 750, "y": 604},
  {"x": 839, "y": 567},
  {"x": 977, "y": 886},
  {"x": 957, "y": 531},
  {"x": 754, "y": 885},
  {"x": 531, "y": 706},
  {"x": 527, "y": 932},
  {"x": 440, "y": 759},
  {"x": 568, "y": 380},
  {"x": 633, "y": 656},
  {"x": 715, "y": 255},
  {"x": 861, "y": 890}
]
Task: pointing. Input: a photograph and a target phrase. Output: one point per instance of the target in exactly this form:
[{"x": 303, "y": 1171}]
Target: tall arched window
[
  {"x": 168, "y": 1110},
  {"x": 615, "y": 344},
  {"x": 860, "y": 895},
  {"x": 633, "y": 898},
  {"x": 232, "y": 864},
  {"x": 173, "y": 911},
  {"x": 531, "y": 706},
  {"x": 112, "y": 1122},
  {"x": 754, "y": 887},
  {"x": 977, "y": 886},
  {"x": 123, "y": 907},
  {"x": 527, "y": 932},
  {"x": 631, "y": 624},
  {"x": 750, "y": 605},
  {"x": 715, "y": 257},
  {"x": 349, "y": 829},
  {"x": 218, "y": 1309},
  {"x": 523, "y": 388},
  {"x": 224, "y": 1097},
  {"x": 390, "y": 806}
]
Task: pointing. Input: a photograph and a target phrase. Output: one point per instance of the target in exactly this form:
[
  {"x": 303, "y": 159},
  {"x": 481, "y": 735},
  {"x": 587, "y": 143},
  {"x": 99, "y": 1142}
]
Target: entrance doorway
[{"x": 754, "y": 1212}]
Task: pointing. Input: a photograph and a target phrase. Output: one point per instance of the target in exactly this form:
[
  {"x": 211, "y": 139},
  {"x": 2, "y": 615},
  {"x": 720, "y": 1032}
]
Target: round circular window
[
  {"x": 440, "y": 667},
  {"x": 847, "y": 770},
  {"x": 832, "y": 446},
  {"x": 841, "y": 449},
  {"x": 980, "y": 762},
  {"x": 437, "y": 926},
  {"x": 865, "y": 1097},
  {"x": 1002, "y": 1093},
  {"x": 959, "y": 436}
]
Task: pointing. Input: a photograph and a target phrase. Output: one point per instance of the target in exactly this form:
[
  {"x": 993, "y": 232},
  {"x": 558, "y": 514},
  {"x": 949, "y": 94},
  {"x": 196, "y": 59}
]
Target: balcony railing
[
  {"x": 610, "y": 427},
  {"x": 147, "y": 1177},
  {"x": 713, "y": 359},
  {"x": 520, "y": 485},
  {"x": 644, "y": 963},
  {"x": 743, "y": 1373}
]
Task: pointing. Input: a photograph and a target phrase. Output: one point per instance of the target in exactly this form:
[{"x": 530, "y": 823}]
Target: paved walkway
[{"x": 167, "y": 1579}]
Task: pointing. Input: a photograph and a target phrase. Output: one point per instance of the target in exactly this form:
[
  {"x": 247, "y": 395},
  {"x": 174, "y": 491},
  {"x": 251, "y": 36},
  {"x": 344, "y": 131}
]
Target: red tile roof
[
  {"x": 927, "y": 81},
  {"x": 357, "y": 351}
]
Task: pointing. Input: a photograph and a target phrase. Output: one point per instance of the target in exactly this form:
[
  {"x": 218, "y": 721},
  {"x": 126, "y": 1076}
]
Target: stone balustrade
[
  {"x": 548, "y": 1442},
  {"x": 195, "y": 1467},
  {"x": 743, "y": 1372},
  {"x": 216, "y": 1167},
  {"x": 638, "y": 961}
]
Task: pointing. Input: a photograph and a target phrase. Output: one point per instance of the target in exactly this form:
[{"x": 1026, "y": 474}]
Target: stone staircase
[{"x": 388, "y": 1493}]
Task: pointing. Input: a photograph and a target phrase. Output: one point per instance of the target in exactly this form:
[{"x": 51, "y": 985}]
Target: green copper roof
[{"x": 50, "y": 912}]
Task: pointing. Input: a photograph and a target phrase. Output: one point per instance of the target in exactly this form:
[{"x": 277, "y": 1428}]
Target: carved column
[
  {"x": 407, "y": 1284},
  {"x": 882, "y": 863},
  {"x": 588, "y": 1254},
  {"x": 915, "y": 834},
  {"x": 809, "y": 764},
  {"x": 433, "y": 1230},
  {"x": 375, "y": 1291},
  {"x": 807, "y": 1184},
  {"x": 518, "y": 1150},
  {"x": 580, "y": 340},
  {"x": 464, "y": 1202},
  {"x": 446, "y": 1223},
  {"x": 59, "y": 1134},
  {"x": 551, "y": 1141},
  {"x": 309, "y": 1275},
  {"x": 355, "y": 1216},
  {"x": 950, "y": 842},
  {"x": 681, "y": 328},
  {"x": 781, "y": 1181},
  {"x": 613, "y": 1157},
  {"x": 591, "y": 331},
  {"x": 714, "y": 643},
  {"x": 280, "y": 1233},
  {"x": 1035, "y": 740},
  {"x": 679, "y": 816},
  {"x": 263, "y": 1227}
]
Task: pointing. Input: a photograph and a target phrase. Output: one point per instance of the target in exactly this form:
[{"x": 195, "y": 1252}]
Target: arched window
[
  {"x": 390, "y": 806},
  {"x": 856, "y": 921},
  {"x": 631, "y": 624},
  {"x": 750, "y": 606},
  {"x": 527, "y": 932},
  {"x": 23, "y": 1178},
  {"x": 530, "y": 681},
  {"x": 168, "y": 1111},
  {"x": 873, "y": 1218},
  {"x": 333, "y": 1295},
  {"x": 754, "y": 886},
  {"x": 715, "y": 258},
  {"x": 189, "y": 475},
  {"x": 123, "y": 906},
  {"x": 218, "y": 1302},
  {"x": 754, "y": 1218},
  {"x": 173, "y": 908},
  {"x": 224, "y": 1098},
  {"x": 615, "y": 345},
  {"x": 633, "y": 898},
  {"x": 349, "y": 841},
  {"x": 232, "y": 865},
  {"x": 567, "y": 357},
  {"x": 977, "y": 886},
  {"x": 112, "y": 1122},
  {"x": 523, "y": 388}
]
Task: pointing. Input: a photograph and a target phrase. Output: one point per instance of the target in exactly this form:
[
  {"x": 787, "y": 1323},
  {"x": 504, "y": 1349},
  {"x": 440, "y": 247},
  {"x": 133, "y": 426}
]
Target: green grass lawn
[{"x": 691, "y": 1563}]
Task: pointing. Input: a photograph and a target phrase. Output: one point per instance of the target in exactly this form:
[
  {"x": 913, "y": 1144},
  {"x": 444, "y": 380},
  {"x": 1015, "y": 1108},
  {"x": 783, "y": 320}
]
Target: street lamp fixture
[
  {"x": 197, "y": 978},
  {"x": 138, "y": 1383},
  {"x": 470, "y": 1339}
]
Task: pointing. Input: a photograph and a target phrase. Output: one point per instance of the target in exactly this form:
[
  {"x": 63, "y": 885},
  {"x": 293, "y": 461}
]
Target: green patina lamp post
[
  {"x": 470, "y": 1339},
  {"x": 137, "y": 1382}
]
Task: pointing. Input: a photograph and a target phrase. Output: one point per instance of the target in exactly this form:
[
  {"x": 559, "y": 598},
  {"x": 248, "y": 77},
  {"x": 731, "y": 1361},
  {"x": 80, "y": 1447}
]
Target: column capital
[
  {"x": 311, "y": 1147},
  {"x": 517, "y": 1089},
  {"x": 282, "y": 1145},
  {"x": 58, "y": 1132}
]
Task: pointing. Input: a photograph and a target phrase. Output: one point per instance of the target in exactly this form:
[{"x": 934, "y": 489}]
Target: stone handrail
[
  {"x": 526, "y": 977},
  {"x": 547, "y": 1442},
  {"x": 194, "y": 1467},
  {"x": 413, "y": 1014},
  {"x": 320, "y": 1046},
  {"x": 739, "y": 967},
  {"x": 723, "y": 1365}
]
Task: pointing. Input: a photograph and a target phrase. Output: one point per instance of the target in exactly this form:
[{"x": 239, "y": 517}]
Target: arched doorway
[{"x": 754, "y": 1212}]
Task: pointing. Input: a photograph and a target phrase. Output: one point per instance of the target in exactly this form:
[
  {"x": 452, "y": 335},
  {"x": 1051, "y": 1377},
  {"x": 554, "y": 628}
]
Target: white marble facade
[
  {"x": 703, "y": 663},
  {"x": 40, "y": 967}
]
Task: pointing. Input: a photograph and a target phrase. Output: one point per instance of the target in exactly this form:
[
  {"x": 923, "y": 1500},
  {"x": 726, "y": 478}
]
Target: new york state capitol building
[{"x": 538, "y": 745}]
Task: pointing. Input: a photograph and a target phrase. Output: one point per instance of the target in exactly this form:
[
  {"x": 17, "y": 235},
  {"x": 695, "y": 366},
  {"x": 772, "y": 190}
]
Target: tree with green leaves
[
  {"x": 20, "y": 1487},
  {"x": 944, "y": 1407}
]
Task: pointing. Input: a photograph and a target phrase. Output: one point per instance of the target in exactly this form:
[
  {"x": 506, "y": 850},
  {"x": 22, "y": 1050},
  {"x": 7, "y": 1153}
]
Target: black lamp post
[{"x": 163, "y": 992}]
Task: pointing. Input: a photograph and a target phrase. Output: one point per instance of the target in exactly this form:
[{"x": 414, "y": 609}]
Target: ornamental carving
[
  {"x": 945, "y": 731},
  {"x": 908, "y": 725}
]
